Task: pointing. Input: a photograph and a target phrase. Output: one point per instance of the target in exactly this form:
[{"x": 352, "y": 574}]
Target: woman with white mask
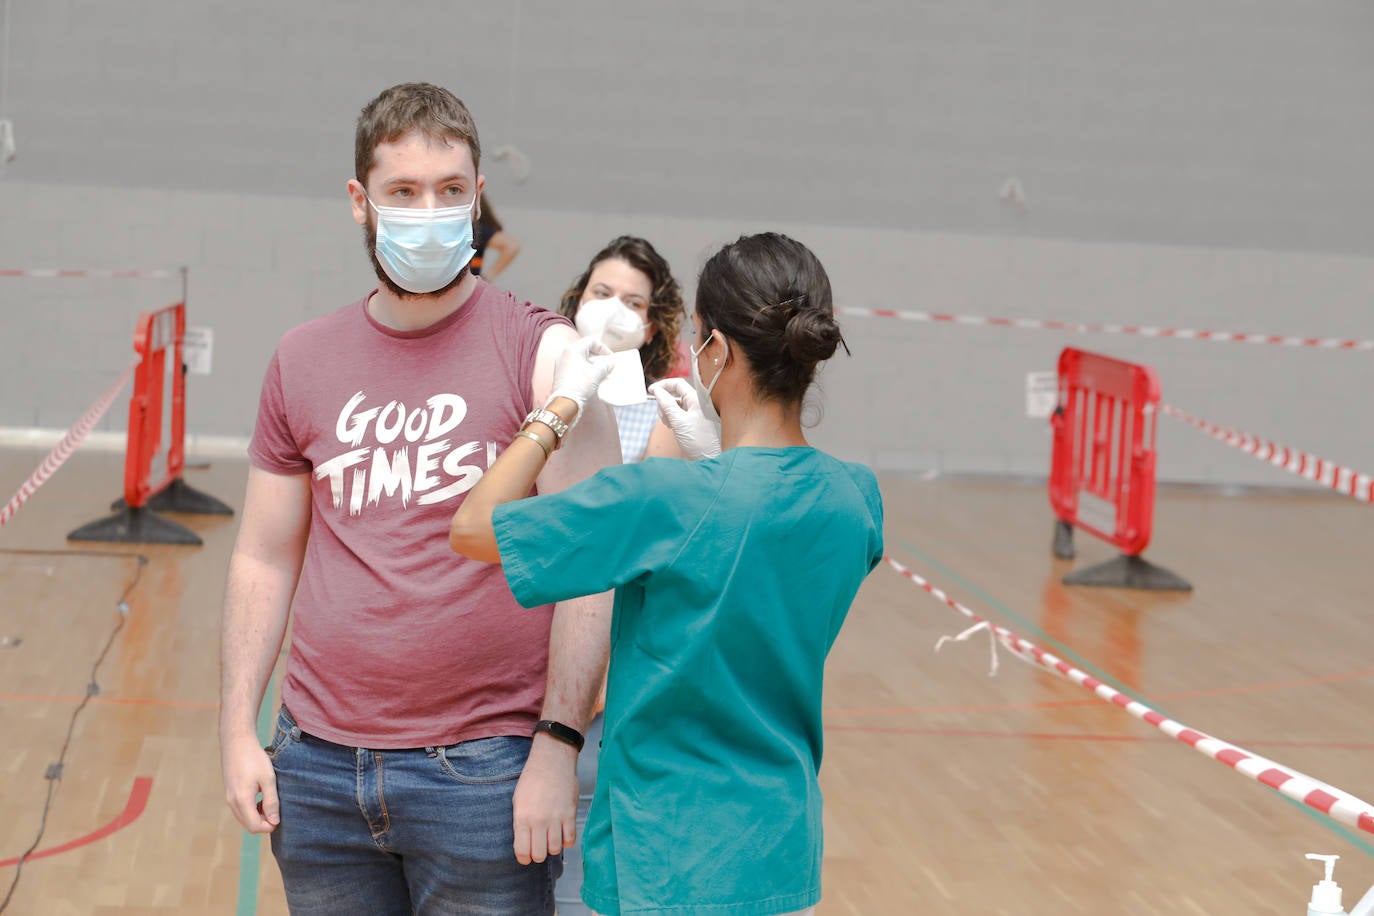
[
  {"x": 732, "y": 575},
  {"x": 627, "y": 298}
]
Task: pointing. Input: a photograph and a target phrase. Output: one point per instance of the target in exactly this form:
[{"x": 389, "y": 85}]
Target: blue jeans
[{"x": 425, "y": 831}]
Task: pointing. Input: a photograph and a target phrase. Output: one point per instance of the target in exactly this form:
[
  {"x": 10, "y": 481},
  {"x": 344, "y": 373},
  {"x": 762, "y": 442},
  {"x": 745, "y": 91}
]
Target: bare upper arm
[
  {"x": 662, "y": 443},
  {"x": 276, "y": 518},
  {"x": 594, "y": 444}
]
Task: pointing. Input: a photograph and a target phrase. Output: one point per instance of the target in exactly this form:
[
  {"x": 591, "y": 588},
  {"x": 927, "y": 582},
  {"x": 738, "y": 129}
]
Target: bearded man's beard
[{"x": 370, "y": 243}]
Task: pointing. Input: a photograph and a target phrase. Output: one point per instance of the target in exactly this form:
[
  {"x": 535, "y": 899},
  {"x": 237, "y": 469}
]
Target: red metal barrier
[
  {"x": 156, "y": 451},
  {"x": 147, "y": 467},
  {"x": 1102, "y": 474}
]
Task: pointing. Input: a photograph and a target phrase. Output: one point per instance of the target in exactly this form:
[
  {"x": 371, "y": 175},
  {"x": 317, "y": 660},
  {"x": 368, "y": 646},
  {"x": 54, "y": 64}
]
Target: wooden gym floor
[{"x": 947, "y": 791}]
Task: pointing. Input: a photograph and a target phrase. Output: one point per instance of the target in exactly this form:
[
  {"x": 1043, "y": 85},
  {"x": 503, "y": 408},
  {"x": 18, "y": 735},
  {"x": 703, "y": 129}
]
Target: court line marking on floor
[
  {"x": 138, "y": 801},
  {"x": 1335, "y": 827}
]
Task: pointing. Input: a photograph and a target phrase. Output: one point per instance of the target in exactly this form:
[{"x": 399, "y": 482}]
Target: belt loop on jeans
[{"x": 295, "y": 731}]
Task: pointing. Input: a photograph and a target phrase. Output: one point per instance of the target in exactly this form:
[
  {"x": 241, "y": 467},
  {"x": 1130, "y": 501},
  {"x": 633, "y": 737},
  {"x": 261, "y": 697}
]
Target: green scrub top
[{"x": 732, "y": 577}]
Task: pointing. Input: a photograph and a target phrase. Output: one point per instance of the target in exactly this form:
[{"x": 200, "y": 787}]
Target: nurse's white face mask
[{"x": 708, "y": 408}]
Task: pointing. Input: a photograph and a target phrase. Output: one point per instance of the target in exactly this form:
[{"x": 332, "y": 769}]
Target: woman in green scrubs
[{"x": 732, "y": 575}]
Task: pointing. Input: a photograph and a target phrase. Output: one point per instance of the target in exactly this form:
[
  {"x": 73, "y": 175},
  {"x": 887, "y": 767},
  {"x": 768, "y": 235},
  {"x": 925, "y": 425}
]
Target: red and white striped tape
[
  {"x": 1318, "y": 470},
  {"x": 1076, "y": 327},
  {"x": 63, "y": 450},
  {"x": 54, "y": 273},
  {"x": 1338, "y": 805}
]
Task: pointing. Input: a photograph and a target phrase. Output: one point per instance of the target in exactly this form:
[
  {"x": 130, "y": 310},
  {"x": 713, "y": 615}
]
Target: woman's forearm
[
  {"x": 506, "y": 248},
  {"x": 512, "y": 477}
]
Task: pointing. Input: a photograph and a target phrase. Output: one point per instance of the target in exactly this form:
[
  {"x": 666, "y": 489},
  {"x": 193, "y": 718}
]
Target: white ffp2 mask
[
  {"x": 612, "y": 322},
  {"x": 708, "y": 409}
]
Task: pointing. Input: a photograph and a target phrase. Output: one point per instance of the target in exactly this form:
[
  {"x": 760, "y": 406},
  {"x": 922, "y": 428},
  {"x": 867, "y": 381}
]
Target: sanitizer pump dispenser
[{"x": 1326, "y": 894}]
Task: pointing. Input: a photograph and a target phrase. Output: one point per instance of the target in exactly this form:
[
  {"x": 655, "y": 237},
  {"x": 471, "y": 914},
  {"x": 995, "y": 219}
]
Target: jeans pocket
[
  {"x": 485, "y": 760},
  {"x": 283, "y": 734}
]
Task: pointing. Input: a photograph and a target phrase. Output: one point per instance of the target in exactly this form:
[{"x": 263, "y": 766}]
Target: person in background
[
  {"x": 489, "y": 235},
  {"x": 732, "y": 574},
  {"x": 627, "y": 294},
  {"x": 629, "y": 286}
]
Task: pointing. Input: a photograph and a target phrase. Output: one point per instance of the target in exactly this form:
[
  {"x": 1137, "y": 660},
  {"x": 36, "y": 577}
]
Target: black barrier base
[
  {"x": 179, "y": 496},
  {"x": 136, "y": 526},
  {"x": 1063, "y": 540},
  {"x": 1129, "y": 572}
]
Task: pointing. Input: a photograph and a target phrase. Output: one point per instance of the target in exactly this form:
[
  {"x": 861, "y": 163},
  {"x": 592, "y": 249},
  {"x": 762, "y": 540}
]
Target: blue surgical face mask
[{"x": 422, "y": 250}]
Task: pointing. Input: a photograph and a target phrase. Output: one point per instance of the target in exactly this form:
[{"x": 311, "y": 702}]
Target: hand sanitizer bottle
[
  {"x": 1326, "y": 894},
  {"x": 1366, "y": 905}
]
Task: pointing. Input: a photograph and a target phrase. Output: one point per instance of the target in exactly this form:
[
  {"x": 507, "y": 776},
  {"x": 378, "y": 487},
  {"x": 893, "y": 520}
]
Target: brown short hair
[{"x": 433, "y": 111}]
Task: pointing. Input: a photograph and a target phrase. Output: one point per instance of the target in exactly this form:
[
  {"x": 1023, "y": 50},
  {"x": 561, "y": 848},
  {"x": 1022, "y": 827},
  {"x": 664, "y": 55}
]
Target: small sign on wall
[
  {"x": 196, "y": 350},
  {"x": 1042, "y": 394}
]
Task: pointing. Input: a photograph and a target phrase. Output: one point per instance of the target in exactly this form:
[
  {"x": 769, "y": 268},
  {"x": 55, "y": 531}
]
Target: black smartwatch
[{"x": 564, "y": 733}]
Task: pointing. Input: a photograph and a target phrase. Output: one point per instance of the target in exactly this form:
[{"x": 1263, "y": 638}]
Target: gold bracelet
[{"x": 548, "y": 452}]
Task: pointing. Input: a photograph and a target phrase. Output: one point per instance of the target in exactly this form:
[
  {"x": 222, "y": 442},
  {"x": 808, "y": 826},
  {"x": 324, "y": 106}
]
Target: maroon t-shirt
[{"x": 397, "y": 641}]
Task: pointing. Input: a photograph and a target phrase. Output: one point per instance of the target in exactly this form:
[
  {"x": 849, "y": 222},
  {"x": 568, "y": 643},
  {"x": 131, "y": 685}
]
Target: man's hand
[
  {"x": 263, "y": 570},
  {"x": 545, "y": 802},
  {"x": 248, "y": 772}
]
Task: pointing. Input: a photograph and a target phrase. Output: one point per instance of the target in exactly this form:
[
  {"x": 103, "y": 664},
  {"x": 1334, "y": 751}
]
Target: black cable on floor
[{"x": 54, "y": 773}]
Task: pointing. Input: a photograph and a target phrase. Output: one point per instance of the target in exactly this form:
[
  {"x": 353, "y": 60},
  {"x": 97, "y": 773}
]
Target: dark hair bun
[
  {"x": 771, "y": 298},
  {"x": 811, "y": 335}
]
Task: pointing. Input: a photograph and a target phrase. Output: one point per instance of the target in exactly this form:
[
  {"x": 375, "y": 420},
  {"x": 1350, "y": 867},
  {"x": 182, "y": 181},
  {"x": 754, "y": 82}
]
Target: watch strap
[
  {"x": 550, "y": 419},
  {"x": 565, "y": 733}
]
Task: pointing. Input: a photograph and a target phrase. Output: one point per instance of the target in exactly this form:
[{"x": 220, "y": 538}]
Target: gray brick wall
[{"x": 1200, "y": 165}]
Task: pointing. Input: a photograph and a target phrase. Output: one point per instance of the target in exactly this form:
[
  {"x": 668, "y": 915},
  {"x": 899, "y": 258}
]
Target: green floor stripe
[
  {"x": 250, "y": 850},
  {"x": 1339, "y": 829}
]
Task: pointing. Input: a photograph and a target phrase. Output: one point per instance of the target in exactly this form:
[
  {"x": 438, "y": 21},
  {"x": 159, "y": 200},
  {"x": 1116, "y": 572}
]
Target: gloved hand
[
  {"x": 579, "y": 371},
  {"x": 680, "y": 411}
]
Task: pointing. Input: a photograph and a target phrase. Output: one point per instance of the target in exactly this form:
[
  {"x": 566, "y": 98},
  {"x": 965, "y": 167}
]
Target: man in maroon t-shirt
[{"x": 393, "y": 782}]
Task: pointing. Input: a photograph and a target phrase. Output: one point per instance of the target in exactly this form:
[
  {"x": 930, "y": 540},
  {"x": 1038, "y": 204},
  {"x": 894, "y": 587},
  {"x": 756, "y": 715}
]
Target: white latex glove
[
  {"x": 579, "y": 371},
  {"x": 680, "y": 411}
]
